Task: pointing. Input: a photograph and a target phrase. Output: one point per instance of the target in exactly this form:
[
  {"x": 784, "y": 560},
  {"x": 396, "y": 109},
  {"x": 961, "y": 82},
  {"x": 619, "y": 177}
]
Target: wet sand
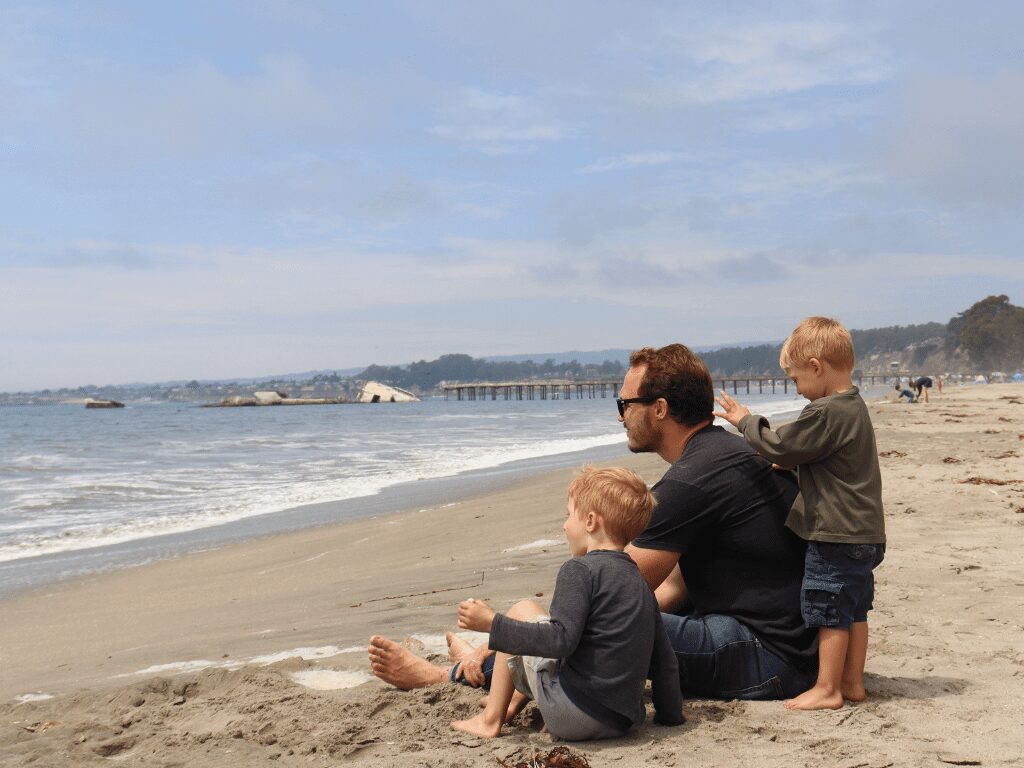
[{"x": 945, "y": 667}]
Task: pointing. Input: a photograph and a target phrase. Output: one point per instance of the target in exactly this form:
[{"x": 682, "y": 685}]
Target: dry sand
[{"x": 945, "y": 667}]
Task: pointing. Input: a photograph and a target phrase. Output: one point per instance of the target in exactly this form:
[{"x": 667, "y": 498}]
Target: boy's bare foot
[
  {"x": 854, "y": 691},
  {"x": 478, "y": 726},
  {"x": 458, "y": 649},
  {"x": 401, "y": 667},
  {"x": 515, "y": 706},
  {"x": 816, "y": 698}
]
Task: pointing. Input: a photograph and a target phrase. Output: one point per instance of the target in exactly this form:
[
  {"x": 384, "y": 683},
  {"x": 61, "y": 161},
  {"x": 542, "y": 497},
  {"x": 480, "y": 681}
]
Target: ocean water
[{"x": 73, "y": 479}]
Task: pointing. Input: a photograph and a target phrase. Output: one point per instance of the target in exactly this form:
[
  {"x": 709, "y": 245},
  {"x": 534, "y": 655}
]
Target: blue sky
[{"x": 220, "y": 189}]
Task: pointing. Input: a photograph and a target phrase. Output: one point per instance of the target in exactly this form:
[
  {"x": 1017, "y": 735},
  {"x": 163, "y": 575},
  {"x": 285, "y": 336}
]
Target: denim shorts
[{"x": 839, "y": 586}]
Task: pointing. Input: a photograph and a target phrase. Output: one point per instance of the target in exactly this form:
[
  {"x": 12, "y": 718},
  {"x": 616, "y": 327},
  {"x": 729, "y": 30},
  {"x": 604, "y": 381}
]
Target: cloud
[
  {"x": 719, "y": 62},
  {"x": 633, "y": 160},
  {"x": 497, "y": 123},
  {"x": 959, "y": 138},
  {"x": 752, "y": 269},
  {"x": 202, "y": 110}
]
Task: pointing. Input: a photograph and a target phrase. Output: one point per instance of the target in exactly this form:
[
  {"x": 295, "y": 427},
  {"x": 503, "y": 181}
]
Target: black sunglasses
[{"x": 622, "y": 403}]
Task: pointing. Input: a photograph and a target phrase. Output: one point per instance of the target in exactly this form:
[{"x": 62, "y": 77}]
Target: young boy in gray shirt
[
  {"x": 839, "y": 510},
  {"x": 585, "y": 664}
]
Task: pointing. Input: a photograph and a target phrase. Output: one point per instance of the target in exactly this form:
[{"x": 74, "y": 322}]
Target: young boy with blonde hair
[
  {"x": 586, "y": 663},
  {"x": 839, "y": 510}
]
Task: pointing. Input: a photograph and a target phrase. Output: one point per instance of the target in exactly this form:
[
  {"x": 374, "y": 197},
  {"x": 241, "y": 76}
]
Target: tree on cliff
[{"x": 991, "y": 332}]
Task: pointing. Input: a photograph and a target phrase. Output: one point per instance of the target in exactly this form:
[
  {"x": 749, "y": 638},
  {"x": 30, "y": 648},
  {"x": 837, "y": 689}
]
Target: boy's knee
[{"x": 525, "y": 609}]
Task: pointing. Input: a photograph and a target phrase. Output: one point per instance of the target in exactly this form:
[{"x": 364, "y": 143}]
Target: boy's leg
[
  {"x": 856, "y": 657},
  {"x": 487, "y": 724},
  {"x": 503, "y": 702},
  {"x": 524, "y": 610},
  {"x": 827, "y": 692}
]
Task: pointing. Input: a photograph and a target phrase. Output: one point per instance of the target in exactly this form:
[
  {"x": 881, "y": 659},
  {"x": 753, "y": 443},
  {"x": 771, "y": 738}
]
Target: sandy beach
[{"x": 254, "y": 654}]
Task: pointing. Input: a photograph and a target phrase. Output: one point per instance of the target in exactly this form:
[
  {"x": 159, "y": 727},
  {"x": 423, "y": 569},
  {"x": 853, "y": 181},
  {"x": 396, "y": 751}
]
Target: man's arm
[
  {"x": 672, "y": 592},
  {"x": 655, "y": 565}
]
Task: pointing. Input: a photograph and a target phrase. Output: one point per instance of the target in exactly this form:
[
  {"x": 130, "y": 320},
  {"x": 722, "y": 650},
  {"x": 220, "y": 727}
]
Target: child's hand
[
  {"x": 476, "y": 615},
  {"x": 733, "y": 412}
]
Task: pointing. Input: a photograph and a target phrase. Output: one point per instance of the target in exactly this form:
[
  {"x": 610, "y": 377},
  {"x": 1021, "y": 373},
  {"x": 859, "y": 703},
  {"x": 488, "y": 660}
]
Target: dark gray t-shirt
[
  {"x": 723, "y": 508},
  {"x": 606, "y": 629},
  {"x": 832, "y": 445}
]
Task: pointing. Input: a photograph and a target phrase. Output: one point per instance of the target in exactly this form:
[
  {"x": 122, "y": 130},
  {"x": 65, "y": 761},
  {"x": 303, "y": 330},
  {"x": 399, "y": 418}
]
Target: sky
[{"x": 217, "y": 189}]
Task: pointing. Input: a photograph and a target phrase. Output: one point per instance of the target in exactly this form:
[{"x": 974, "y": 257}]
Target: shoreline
[
  {"x": 31, "y": 570},
  {"x": 217, "y": 592},
  {"x": 34, "y": 571},
  {"x": 944, "y": 664}
]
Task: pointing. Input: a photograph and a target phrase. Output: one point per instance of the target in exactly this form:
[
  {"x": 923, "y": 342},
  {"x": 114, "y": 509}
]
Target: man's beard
[{"x": 640, "y": 436}]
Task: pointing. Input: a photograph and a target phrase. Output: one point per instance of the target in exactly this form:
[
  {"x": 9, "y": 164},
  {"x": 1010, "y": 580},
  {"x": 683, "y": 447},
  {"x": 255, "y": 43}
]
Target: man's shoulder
[
  {"x": 722, "y": 466},
  {"x": 709, "y": 447}
]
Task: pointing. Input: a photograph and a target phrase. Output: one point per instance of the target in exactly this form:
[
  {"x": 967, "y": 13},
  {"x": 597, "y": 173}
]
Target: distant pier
[
  {"x": 567, "y": 390},
  {"x": 532, "y": 390}
]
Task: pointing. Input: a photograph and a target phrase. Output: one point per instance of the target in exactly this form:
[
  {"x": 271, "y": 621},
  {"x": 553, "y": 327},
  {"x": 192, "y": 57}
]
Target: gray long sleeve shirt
[
  {"x": 832, "y": 444},
  {"x": 606, "y": 629}
]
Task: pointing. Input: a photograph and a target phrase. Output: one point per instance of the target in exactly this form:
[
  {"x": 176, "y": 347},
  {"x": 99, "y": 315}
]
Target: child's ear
[
  {"x": 591, "y": 522},
  {"x": 815, "y": 365}
]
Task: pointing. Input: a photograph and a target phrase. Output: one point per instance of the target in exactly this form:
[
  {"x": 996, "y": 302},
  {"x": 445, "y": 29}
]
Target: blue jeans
[
  {"x": 487, "y": 668},
  {"x": 721, "y": 658}
]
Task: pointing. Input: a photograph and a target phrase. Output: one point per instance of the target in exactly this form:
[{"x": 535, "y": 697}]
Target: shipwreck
[{"x": 375, "y": 392}]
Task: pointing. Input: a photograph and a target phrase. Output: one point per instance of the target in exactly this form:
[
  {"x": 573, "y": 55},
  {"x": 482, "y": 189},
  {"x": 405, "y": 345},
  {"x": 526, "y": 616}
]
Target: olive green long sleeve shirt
[{"x": 832, "y": 445}]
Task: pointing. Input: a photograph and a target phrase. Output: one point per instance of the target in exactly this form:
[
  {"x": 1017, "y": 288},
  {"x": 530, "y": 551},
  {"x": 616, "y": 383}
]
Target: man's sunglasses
[{"x": 622, "y": 403}]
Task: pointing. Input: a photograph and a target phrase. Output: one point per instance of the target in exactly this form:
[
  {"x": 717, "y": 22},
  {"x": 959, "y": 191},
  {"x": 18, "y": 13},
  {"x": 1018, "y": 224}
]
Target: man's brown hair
[
  {"x": 675, "y": 373},
  {"x": 619, "y": 496},
  {"x": 820, "y": 337}
]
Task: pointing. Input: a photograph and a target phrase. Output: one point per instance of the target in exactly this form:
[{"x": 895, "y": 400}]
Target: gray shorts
[{"x": 537, "y": 677}]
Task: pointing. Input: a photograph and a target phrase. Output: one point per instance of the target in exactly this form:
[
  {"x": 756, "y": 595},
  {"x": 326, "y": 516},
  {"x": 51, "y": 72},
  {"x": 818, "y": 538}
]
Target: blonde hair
[
  {"x": 619, "y": 496},
  {"x": 820, "y": 337}
]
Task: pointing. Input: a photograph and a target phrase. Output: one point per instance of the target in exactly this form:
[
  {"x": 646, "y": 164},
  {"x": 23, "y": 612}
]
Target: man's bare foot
[
  {"x": 816, "y": 698},
  {"x": 402, "y": 668},
  {"x": 478, "y": 726},
  {"x": 458, "y": 649},
  {"x": 854, "y": 691}
]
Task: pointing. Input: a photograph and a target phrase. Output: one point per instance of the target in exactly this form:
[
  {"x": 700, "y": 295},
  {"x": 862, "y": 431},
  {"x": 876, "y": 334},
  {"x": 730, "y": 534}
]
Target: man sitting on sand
[
  {"x": 716, "y": 550},
  {"x": 719, "y": 524},
  {"x": 586, "y": 663}
]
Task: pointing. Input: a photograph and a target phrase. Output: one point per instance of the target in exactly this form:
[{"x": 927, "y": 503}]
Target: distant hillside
[
  {"x": 426, "y": 375},
  {"x": 596, "y": 358},
  {"x": 913, "y": 346},
  {"x": 987, "y": 336}
]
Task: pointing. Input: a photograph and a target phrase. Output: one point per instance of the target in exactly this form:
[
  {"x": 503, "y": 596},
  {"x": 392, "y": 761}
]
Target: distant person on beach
[
  {"x": 903, "y": 392},
  {"x": 585, "y": 664},
  {"x": 832, "y": 444},
  {"x": 922, "y": 385},
  {"x": 716, "y": 549}
]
